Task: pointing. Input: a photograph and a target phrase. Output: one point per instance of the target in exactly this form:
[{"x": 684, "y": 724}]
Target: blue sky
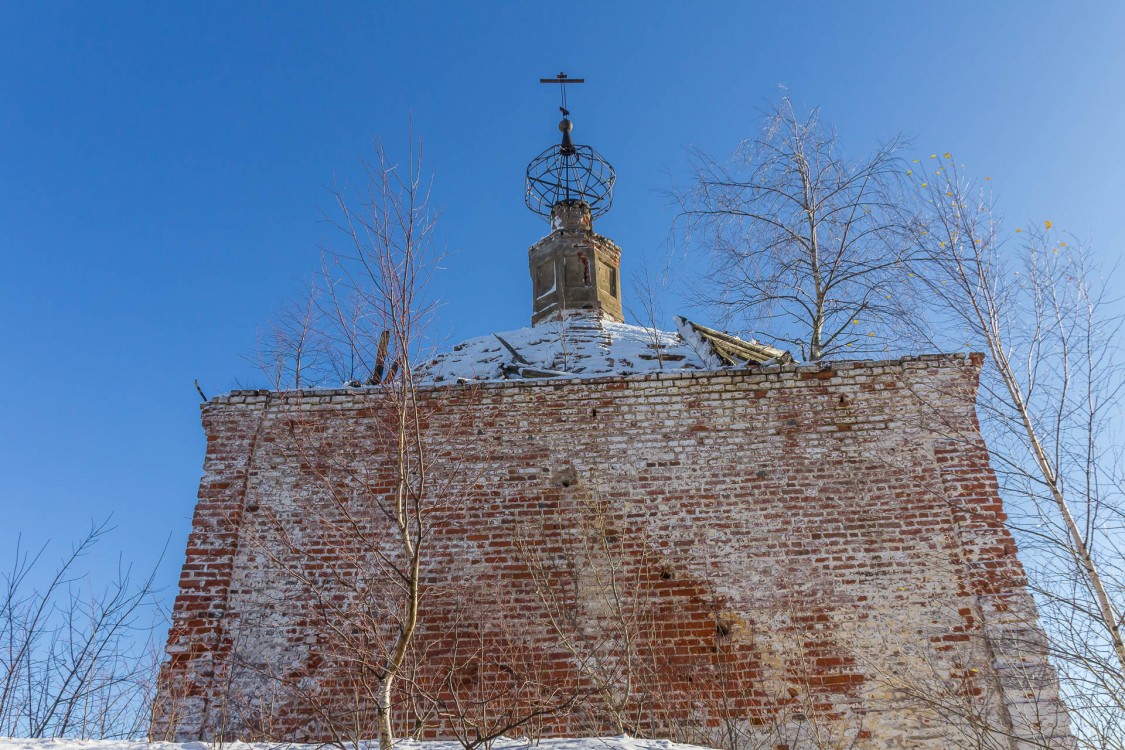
[{"x": 164, "y": 173}]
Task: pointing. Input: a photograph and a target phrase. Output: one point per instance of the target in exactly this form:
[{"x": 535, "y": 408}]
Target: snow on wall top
[{"x": 579, "y": 345}]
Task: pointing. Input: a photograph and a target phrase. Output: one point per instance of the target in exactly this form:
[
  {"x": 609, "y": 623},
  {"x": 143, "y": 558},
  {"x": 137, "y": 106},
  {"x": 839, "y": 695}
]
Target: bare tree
[
  {"x": 384, "y": 275},
  {"x": 294, "y": 345},
  {"x": 841, "y": 258},
  {"x": 1051, "y": 407},
  {"x": 493, "y": 678},
  {"x": 592, "y": 590},
  {"x": 646, "y": 309},
  {"x": 803, "y": 242},
  {"x": 367, "y": 323},
  {"x": 75, "y": 660},
  {"x": 364, "y": 322}
]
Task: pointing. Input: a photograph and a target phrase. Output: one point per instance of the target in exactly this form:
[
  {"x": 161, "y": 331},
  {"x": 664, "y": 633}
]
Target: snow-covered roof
[{"x": 579, "y": 345}]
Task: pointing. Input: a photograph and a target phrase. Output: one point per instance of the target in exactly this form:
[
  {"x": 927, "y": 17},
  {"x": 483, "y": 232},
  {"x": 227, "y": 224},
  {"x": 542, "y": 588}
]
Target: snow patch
[
  {"x": 701, "y": 348},
  {"x": 554, "y": 286},
  {"x": 579, "y": 344}
]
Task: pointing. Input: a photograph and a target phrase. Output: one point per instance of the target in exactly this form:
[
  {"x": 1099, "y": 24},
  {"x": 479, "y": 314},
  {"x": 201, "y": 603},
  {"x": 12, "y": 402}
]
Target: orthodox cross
[{"x": 562, "y": 79}]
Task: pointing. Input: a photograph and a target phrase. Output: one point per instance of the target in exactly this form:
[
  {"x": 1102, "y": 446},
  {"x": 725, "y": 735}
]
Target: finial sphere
[{"x": 566, "y": 125}]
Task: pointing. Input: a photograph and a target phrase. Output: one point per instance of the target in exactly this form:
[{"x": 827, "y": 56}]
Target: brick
[{"x": 796, "y": 539}]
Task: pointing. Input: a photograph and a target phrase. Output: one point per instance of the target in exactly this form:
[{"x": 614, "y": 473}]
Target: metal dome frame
[{"x": 569, "y": 172}]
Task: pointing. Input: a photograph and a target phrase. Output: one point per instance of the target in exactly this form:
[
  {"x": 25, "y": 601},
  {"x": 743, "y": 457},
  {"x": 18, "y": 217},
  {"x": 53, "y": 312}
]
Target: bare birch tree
[
  {"x": 365, "y": 323},
  {"x": 802, "y": 240},
  {"x": 1050, "y": 404},
  {"x": 378, "y": 313}
]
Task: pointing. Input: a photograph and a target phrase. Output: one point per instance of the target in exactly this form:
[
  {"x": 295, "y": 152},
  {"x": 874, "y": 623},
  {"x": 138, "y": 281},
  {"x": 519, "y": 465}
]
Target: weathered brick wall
[{"x": 786, "y": 557}]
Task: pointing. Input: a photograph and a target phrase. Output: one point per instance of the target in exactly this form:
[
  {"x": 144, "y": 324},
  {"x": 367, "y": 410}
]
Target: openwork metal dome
[{"x": 567, "y": 172}]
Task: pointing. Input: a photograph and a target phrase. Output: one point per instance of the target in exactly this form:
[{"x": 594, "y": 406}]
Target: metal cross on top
[
  {"x": 562, "y": 79},
  {"x": 567, "y": 172}
]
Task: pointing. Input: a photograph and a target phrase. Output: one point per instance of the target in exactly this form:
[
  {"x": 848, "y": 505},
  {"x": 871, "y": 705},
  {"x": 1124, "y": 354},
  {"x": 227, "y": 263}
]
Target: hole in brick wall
[
  {"x": 585, "y": 269},
  {"x": 594, "y": 412},
  {"x": 251, "y": 506},
  {"x": 566, "y": 476},
  {"x": 726, "y": 623},
  {"x": 665, "y": 574},
  {"x": 843, "y": 400}
]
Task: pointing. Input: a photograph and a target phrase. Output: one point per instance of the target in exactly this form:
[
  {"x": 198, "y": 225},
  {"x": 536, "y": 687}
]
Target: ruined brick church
[{"x": 672, "y": 534}]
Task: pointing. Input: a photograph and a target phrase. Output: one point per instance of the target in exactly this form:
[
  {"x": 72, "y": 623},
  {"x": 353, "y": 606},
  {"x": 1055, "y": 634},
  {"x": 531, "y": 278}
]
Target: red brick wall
[{"x": 777, "y": 557}]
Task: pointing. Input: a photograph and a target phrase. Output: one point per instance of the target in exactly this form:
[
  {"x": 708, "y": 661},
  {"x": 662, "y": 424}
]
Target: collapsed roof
[{"x": 586, "y": 346}]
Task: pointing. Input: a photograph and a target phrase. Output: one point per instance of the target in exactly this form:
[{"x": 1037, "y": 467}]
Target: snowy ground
[{"x": 590, "y": 743}]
